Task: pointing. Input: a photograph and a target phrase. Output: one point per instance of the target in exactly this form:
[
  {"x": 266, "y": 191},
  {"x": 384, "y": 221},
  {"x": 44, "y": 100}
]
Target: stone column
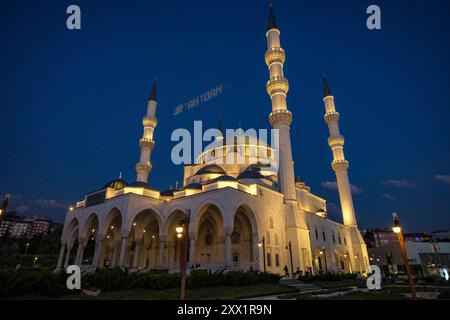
[
  {"x": 60, "y": 257},
  {"x": 114, "y": 256},
  {"x": 191, "y": 251},
  {"x": 81, "y": 257},
  {"x": 66, "y": 262},
  {"x": 162, "y": 244},
  {"x": 137, "y": 250},
  {"x": 123, "y": 251},
  {"x": 228, "y": 262},
  {"x": 77, "y": 256},
  {"x": 98, "y": 251}
]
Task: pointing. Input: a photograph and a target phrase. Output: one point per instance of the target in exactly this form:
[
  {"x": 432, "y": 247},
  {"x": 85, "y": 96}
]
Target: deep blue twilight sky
[{"x": 72, "y": 101}]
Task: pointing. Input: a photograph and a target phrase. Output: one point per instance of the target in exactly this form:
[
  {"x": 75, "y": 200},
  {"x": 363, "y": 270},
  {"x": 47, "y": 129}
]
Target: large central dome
[{"x": 240, "y": 147}]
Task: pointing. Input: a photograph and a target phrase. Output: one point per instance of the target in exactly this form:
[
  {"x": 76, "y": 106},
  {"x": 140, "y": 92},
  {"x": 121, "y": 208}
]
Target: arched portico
[
  {"x": 110, "y": 235},
  {"x": 244, "y": 237},
  {"x": 171, "y": 247},
  {"x": 143, "y": 241},
  {"x": 87, "y": 235},
  {"x": 209, "y": 239}
]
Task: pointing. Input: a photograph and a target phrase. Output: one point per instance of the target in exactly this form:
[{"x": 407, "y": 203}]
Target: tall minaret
[
  {"x": 281, "y": 117},
  {"x": 146, "y": 143},
  {"x": 339, "y": 164}
]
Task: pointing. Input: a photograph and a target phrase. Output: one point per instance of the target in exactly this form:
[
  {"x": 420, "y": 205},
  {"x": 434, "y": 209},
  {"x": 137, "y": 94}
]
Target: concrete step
[{"x": 298, "y": 285}]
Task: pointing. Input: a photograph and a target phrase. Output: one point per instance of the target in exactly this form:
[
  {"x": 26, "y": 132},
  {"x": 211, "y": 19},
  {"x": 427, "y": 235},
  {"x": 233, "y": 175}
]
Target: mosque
[{"x": 239, "y": 216}]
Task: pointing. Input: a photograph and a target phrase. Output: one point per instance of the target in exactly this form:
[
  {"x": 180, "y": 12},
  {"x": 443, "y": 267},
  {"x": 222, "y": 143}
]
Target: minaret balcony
[
  {"x": 336, "y": 141},
  {"x": 149, "y": 121},
  {"x": 340, "y": 165},
  {"x": 146, "y": 143},
  {"x": 280, "y": 116},
  {"x": 331, "y": 116},
  {"x": 277, "y": 85},
  {"x": 275, "y": 55}
]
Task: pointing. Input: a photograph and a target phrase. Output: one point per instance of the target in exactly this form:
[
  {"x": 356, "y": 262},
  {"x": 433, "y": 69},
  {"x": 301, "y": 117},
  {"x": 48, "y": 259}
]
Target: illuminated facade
[{"x": 234, "y": 208}]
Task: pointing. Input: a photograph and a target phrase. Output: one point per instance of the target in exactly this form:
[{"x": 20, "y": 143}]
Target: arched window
[
  {"x": 267, "y": 237},
  {"x": 269, "y": 258},
  {"x": 247, "y": 148},
  {"x": 271, "y": 223},
  {"x": 276, "y": 239},
  {"x": 277, "y": 258}
]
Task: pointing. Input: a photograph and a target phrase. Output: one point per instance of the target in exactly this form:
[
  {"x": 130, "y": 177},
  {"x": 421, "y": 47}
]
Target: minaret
[
  {"x": 339, "y": 164},
  {"x": 146, "y": 143},
  {"x": 281, "y": 117}
]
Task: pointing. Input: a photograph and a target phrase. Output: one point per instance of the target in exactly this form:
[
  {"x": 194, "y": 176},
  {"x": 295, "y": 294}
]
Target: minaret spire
[
  {"x": 153, "y": 92},
  {"x": 146, "y": 143},
  {"x": 326, "y": 86},
  {"x": 280, "y": 118},
  {"x": 272, "y": 22},
  {"x": 339, "y": 164}
]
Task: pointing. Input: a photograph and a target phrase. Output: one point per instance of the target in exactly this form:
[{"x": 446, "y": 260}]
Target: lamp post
[
  {"x": 398, "y": 230},
  {"x": 289, "y": 246},
  {"x": 35, "y": 260},
  {"x": 263, "y": 245},
  {"x": 183, "y": 234},
  {"x": 26, "y": 248}
]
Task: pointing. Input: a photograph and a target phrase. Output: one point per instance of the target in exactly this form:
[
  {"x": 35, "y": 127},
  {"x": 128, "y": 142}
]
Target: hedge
[
  {"x": 32, "y": 282},
  {"x": 41, "y": 282}
]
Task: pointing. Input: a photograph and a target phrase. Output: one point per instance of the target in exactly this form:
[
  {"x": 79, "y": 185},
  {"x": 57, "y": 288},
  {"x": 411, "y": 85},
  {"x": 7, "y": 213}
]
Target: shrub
[
  {"x": 32, "y": 282},
  {"x": 44, "y": 283},
  {"x": 444, "y": 295}
]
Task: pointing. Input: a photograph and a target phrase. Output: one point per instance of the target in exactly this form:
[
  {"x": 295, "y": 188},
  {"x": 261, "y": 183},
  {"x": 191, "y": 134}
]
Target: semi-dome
[
  {"x": 116, "y": 184},
  {"x": 210, "y": 169},
  {"x": 167, "y": 193},
  {"x": 139, "y": 184},
  {"x": 225, "y": 178},
  {"x": 195, "y": 186},
  {"x": 257, "y": 171},
  {"x": 251, "y": 173}
]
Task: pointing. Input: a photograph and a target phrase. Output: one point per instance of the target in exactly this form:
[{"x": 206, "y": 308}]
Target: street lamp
[
  {"x": 26, "y": 248},
  {"x": 182, "y": 234},
  {"x": 35, "y": 260},
  {"x": 289, "y": 246},
  {"x": 398, "y": 230},
  {"x": 263, "y": 245}
]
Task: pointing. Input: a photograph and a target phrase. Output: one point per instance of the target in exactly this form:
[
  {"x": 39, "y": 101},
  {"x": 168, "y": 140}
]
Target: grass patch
[
  {"x": 206, "y": 293},
  {"x": 313, "y": 295},
  {"x": 340, "y": 284},
  {"x": 358, "y": 295},
  {"x": 395, "y": 289}
]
